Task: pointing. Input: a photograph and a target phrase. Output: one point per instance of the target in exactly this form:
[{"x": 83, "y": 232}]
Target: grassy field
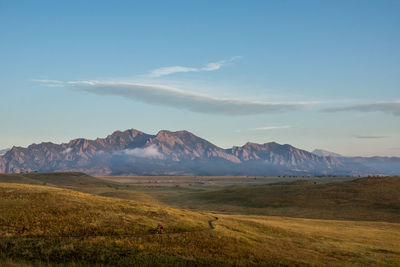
[
  {"x": 372, "y": 199},
  {"x": 48, "y": 225},
  {"x": 360, "y": 199},
  {"x": 213, "y": 181}
]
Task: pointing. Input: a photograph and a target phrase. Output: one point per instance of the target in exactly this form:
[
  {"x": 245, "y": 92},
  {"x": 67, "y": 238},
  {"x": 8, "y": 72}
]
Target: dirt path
[{"x": 212, "y": 227}]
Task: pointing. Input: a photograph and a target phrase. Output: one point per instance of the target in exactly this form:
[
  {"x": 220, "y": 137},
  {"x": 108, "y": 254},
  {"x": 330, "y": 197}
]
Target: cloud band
[
  {"x": 176, "y": 69},
  {"x": 385, "y": 107},
  {"x": 177, "y": 98}
]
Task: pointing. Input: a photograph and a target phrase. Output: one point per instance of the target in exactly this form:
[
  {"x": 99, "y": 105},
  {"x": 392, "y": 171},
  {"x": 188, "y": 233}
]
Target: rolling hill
[
  {"x": 373, "y": 199},
  {"x": 42, "y": 226},
  {"x": 368, "y": 199},
  {"x": 57, "y": 179}
]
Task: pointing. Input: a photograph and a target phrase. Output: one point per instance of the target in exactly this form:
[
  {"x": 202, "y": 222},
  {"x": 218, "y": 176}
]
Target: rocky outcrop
[
  {"x": 183, "y": 145},
  {"x": 2, "y": 165}
]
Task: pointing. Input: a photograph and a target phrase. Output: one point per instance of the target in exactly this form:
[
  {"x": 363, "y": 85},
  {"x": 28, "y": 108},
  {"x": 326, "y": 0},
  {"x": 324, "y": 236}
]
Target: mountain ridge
[{"x": 133, "y": 152}]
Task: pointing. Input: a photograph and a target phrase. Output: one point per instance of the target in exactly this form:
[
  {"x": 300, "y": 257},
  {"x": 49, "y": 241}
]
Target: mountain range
[
  {"x": 382, "y": 165},
  {"x": 133, "y": 152}
]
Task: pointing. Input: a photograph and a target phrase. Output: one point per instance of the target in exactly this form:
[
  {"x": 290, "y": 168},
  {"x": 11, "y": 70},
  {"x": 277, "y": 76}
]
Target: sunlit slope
[
  {"x": 79, "y": 182},
  {"x": 375, "y": 199},
  {"x": 39, "y": 210},
  {"x": 59, "y": 179},
  {"x": 50, "y": 225}
]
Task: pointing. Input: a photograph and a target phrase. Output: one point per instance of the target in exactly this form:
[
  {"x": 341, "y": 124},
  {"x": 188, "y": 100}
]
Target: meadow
[{"x": 71, "y": 219}]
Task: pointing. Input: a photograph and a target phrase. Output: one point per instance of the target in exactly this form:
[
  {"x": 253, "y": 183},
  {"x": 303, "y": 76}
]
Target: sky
[{"x": 313, "y": 74}]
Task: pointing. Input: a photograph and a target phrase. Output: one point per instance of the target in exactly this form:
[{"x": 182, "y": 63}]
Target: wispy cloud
[
  {"x": 186, "y": 100},
  {"x": 52, "y": 83},
  {"x": 176, "y": 69},
  {"x": 386, "y": 107},
  {"x": 67, "y": 151},
  {"x": 370, "y": 136},
  {"x": 147, "y": 152},
  {"x": 170, "y": 70},
  {"x": 266, "y": 128},
  {"x": 4, "y": 151},
  {"x": 48, "y": 81}
]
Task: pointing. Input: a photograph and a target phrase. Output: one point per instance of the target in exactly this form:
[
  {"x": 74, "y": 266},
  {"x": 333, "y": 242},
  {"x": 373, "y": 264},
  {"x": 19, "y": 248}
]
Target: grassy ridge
[
  {"x": 44, "y": 211},
  {"x": 375, "y": 199},
  {"x": 33, "y": 216},
  {"x": 58, "y": 179}
]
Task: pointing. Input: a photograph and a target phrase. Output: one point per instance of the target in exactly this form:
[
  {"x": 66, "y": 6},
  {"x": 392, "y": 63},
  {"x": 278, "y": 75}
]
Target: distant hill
[
  {"x": 381, "y": 165},
  {"x": 58, "y": 179},
  {"x": 385, "y": 165},
  {"x": 133, "y": 152},
  {"x": 373, "y": 199}
]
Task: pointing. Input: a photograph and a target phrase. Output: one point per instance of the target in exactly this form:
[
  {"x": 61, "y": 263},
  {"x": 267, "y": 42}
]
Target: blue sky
[{"x": 314, "y": 74}]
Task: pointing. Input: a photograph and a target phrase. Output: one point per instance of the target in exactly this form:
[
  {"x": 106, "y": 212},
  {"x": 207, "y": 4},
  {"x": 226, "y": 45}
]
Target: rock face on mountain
[
  {"x": 2, "y": 165},
  {"x": 133, "y": 152},
  {"x": 183, "y": 145}
]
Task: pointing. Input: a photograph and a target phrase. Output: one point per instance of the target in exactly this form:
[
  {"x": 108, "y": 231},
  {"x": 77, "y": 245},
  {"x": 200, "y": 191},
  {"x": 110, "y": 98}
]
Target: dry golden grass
[
  {"x": 372, "y": 199},
  {"x": 36, "y": 222}
]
